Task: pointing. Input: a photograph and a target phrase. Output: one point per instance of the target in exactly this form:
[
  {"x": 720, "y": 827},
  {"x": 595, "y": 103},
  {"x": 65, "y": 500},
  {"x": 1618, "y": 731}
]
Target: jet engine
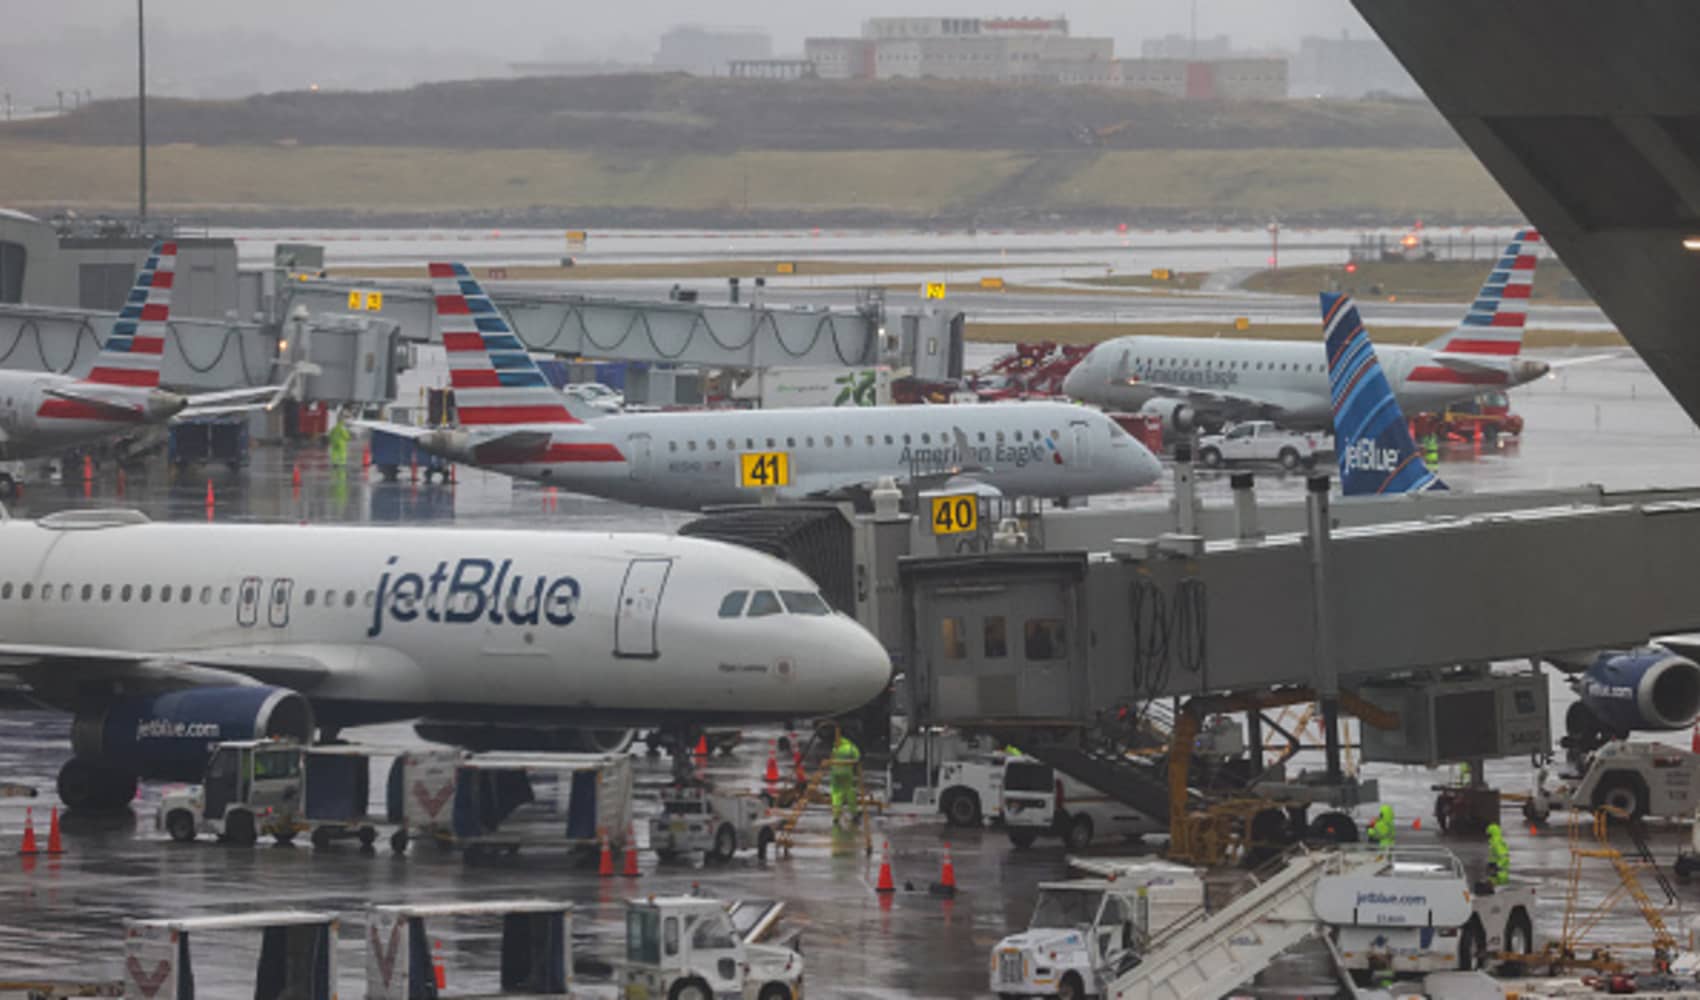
[
  {"x": 1178, "y": 418},
  {"x": 485, "y": 736},
  {"x": 1649, "y": 688},
  {"x": 167, "y": 737}
]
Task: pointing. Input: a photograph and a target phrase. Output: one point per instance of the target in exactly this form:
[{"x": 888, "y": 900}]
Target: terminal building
[{"x": 1003, "y": 50}]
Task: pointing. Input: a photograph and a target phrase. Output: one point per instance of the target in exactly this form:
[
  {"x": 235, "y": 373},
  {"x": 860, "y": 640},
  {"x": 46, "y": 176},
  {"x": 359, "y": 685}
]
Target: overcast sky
[{"x": 528, "y": 29}]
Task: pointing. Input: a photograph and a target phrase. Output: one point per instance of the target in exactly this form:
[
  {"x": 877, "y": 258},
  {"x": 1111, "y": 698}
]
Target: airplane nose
[
  {"x": 864, "y": 668},
  {"x": 1147, "y": 467},
  {"x": 1075, "y": 381}
]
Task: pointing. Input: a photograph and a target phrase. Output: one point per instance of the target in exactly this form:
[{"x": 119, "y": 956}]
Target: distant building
[
  {"x": 1233, "y": 79},
  {"x": 1186, "y": 47},
  {"x": 710, "y": 51},
  {"x": 1349, "y": 68},
  {"x": 997, "y": 49}
]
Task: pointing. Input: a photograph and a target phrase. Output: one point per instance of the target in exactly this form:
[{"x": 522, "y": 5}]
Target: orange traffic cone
[
  {"x": 54, "y": 844},
  {"x": 605, "y": 864},
  {"x": 211, "y": 497},
  {"x": 702, "y": 745},
  {"x": 946, "y": 885},
  {"x": 295, "y": 475},
  {"x": 88, "y": 468},
  {"x": 885, "y": 884},
  {"x": 630, "y": 869},
  {"x": 1533, "y": 830},
  {"x": 438, "y": 973},
  {"x": 772, "y": 775},
  {"x": 365, "y": 457},
  {"x": 1417, "y": 824},
  {"x": 28, "y": 848}
]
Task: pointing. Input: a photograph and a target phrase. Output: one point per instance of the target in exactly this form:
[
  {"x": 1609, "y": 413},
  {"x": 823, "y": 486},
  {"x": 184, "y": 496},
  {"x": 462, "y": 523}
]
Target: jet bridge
[{"x": 929, "y": 342}]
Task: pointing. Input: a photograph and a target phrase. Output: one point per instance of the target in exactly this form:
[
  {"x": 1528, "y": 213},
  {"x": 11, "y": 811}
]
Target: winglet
[
  {"x": 1371, "y": 439},
  {"x": 494, "y": 379}
]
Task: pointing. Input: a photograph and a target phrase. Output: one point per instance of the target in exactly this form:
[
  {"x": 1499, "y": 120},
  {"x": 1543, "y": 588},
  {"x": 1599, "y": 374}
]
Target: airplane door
[
  {"x": 248, "y": 602},
  {"x": 278, "y": 609},
  {"x": 640, "y": 601},
  {"x": 637, "y": 450},
  {"x": 1082, "y": 443}
]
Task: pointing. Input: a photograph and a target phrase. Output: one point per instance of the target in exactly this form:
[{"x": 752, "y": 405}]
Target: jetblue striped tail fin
[
  {"x": 132, "y": 353},
  {"x": 1371, "y": 439},
  {"x": 495, "y": 381},
  {"x": 1494, "y": 324}
]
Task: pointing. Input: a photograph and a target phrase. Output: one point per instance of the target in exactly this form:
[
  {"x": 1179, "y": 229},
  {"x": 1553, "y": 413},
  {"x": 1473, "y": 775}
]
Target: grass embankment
[
  {"x": 1186, "y": 281},
  {"x": 1425, "y": 280},
  {"x": 1094, "y": 333},
  {"x": 340, "y": 184}
]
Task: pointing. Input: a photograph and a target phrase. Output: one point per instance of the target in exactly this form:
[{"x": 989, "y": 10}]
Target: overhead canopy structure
[{"x": 1588, "y": 114}]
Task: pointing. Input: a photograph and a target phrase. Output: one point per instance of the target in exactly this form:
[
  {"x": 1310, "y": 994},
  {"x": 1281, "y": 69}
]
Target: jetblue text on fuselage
[
  {"x": 472, "y": 590},
  {"x": 1364, "y": 455}
]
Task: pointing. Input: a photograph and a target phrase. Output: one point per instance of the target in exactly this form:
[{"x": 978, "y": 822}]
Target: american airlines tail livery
[
  {"x": 1197, "y": 382},
  {"x": 45, "y": 414},
  {"x": 1372, "y": 441},
  {"x": 163, "y": 638},
  {"x": 514, "y": 422}
]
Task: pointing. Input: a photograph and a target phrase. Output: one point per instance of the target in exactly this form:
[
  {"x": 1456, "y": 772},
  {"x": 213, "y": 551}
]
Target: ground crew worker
[
  {"x": 1381, "y": 831},
  {"x": 1464, "y": 773},
  {"x": 1499, "y": 855},
  {"x": 845, "y": 757},
  {"x": 339, "y": 443},
  {"x": 1431, "y": 448}
]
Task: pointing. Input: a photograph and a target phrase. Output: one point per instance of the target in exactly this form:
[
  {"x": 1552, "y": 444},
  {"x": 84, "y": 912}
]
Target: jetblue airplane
[
  {"x": 161, "y": 639},
  {"x": 1372, "y": 441},
  {"x": 1192, "y": 382},
  {"x": 44, "y": 414},
  {"x": 514, "y": 422}
]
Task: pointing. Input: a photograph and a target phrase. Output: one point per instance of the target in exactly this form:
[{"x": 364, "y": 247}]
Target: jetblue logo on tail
[{"x": 1371, "y": 438}]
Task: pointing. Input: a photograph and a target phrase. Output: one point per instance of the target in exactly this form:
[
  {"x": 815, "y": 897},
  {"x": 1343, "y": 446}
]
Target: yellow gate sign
[
  {"x": 761, "y": 469},
  {"x": 957, "y": 514},
  {"x": 374, "y": 301},
  {"x": 933, "y": 290},
  {"x": 355, "y": 298}
]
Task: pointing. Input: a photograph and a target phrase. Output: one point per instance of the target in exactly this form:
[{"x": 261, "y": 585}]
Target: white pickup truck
[{"x": 1262, "y": 441}]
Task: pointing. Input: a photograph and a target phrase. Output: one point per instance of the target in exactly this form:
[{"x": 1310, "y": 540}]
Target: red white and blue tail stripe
[
  {"x": 1494, "y": 325},
  {"x": 495, "y": 380},
  {"x": 133, "y": 350}
]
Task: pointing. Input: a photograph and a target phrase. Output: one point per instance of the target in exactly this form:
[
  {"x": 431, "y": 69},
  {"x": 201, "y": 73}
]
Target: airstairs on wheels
[{"x": 1207, "y": 955}]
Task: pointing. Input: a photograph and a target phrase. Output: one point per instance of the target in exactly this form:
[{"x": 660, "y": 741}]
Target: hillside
[{"x": 679, "y": 114}]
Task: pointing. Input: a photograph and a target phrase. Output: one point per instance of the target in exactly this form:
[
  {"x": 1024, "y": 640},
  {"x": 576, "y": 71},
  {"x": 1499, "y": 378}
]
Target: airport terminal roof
[{"x": 1589, "y": 115}]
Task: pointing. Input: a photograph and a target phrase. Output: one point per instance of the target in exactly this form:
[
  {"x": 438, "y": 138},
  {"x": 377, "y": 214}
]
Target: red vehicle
[
  {"x": 1487, "y": 418},
  {"x": 1035, "y": 369}
]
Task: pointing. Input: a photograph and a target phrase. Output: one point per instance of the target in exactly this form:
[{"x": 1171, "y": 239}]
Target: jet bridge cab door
[{"x": 997, "y": 637}]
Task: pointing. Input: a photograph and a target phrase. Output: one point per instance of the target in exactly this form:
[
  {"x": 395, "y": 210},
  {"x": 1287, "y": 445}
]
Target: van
[{"x": 1039, "y": 802}]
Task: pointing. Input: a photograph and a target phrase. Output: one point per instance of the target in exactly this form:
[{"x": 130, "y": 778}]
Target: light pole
[{"x": 141, "y": 114}]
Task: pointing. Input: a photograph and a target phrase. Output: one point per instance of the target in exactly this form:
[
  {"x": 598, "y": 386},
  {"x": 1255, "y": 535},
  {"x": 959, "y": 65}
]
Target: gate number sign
[
  {"x": 760, "y": 469},
  {"x": 956, "y": 515}
]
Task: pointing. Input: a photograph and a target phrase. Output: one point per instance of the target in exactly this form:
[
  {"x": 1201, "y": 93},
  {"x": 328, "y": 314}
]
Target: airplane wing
[
  {"x": 1587, "y": 359},
  {"x": 1238, "y": 401},
  {"x": 461, "y": 445},
  {"x": 117, "y": 411},
  {"x": 48, "y": 666}
]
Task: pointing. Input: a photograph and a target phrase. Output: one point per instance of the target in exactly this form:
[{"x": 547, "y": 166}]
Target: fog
[{"x": 217, "y": 48}]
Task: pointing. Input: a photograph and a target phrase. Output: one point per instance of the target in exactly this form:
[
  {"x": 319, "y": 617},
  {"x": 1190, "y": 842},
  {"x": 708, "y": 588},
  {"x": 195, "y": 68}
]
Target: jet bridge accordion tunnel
[{"x": 1062, "y": 639}]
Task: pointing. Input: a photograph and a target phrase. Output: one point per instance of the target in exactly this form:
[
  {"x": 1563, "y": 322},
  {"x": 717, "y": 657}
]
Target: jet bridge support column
[{"x": 1327, "y": 668}]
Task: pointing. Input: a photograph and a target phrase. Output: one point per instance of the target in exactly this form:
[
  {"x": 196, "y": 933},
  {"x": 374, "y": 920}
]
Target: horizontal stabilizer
[{"x": 107, "y": 408}]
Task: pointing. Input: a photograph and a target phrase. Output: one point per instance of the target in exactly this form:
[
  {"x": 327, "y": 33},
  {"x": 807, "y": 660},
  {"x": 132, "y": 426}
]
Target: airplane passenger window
[
  {"x": 371, "y": 595},
  {"x": 828, "y": 440},
  {"x": 811, "y": 441},
  {"x": 1018, "y": 435},
  {"x": 905, "y": 439},
  {"x": 952, "y": 644},
  {"x": 186, "y": 595},
  {"x": 88, "y": 592},
  {"x": 307, "y": 598},
  {"x": 672, "y": 446},
  {"x": 732, "y": 605},
  {"x": 982, "y": 437},
  {"x": 223, "y": 595},
  {"x": 765, "y": 602},
  {"x": 24, "y": 592},
  {"x": 997, "y": 642},
  {"x": 804, "y": 602},
  {"x": 926, "y": 439},
  {"x": 165, "y": 594},
  {"x": 770, "y": 442},
  {"x": 750, "y": 443},
  {"x": 789, "y": 442},
  {"x": 206, "y": 595},
  {"x": 1000, "y": 437},
  {"x": 1047, "y": 639},
  {"x": 692, "y": 445},
  {"x": 1260, "y": 366},
  {"x": 47, "y": 591},
  {"x": 870, "y": 440},
  {"x": 5, "y": 591},
  {"x": 348, "y": 599},
  {"x": 731, "y": 444},
  {"x": 65, "y": 592},
  {"x": 888, "y": 439},
  {"x": 710, "y": 444},
  {"x": 147, "y": 592},
  {"x": 124, "y": 594}
]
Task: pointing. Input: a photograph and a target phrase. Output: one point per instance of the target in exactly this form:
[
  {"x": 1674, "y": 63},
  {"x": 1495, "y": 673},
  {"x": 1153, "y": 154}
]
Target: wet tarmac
[{"x": 1608, "y": 423}]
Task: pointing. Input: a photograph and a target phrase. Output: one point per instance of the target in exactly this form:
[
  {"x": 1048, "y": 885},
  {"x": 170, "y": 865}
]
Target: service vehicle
[
  {"x": 1039, "y": 802},
  {"x": 1639, "y": 779},
  {"x": 942, "y": 771},
  {"x": 1263, "y": 441},
  {"x": 1083, "y": 934},
  {"x": 275, "y": 788},
  {"x": 1419, "y": 913},
  {"x": 695, "y": 819},
  {"x": 691, "y": 948}
]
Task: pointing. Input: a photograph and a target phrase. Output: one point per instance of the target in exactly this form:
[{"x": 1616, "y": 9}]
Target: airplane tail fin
[
  {"x": 1371, "y": 439},
  {"x": 1494, "y": 324},
  {"x": 494, "y": 379},
  {"x": 133, "y": 350}
]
